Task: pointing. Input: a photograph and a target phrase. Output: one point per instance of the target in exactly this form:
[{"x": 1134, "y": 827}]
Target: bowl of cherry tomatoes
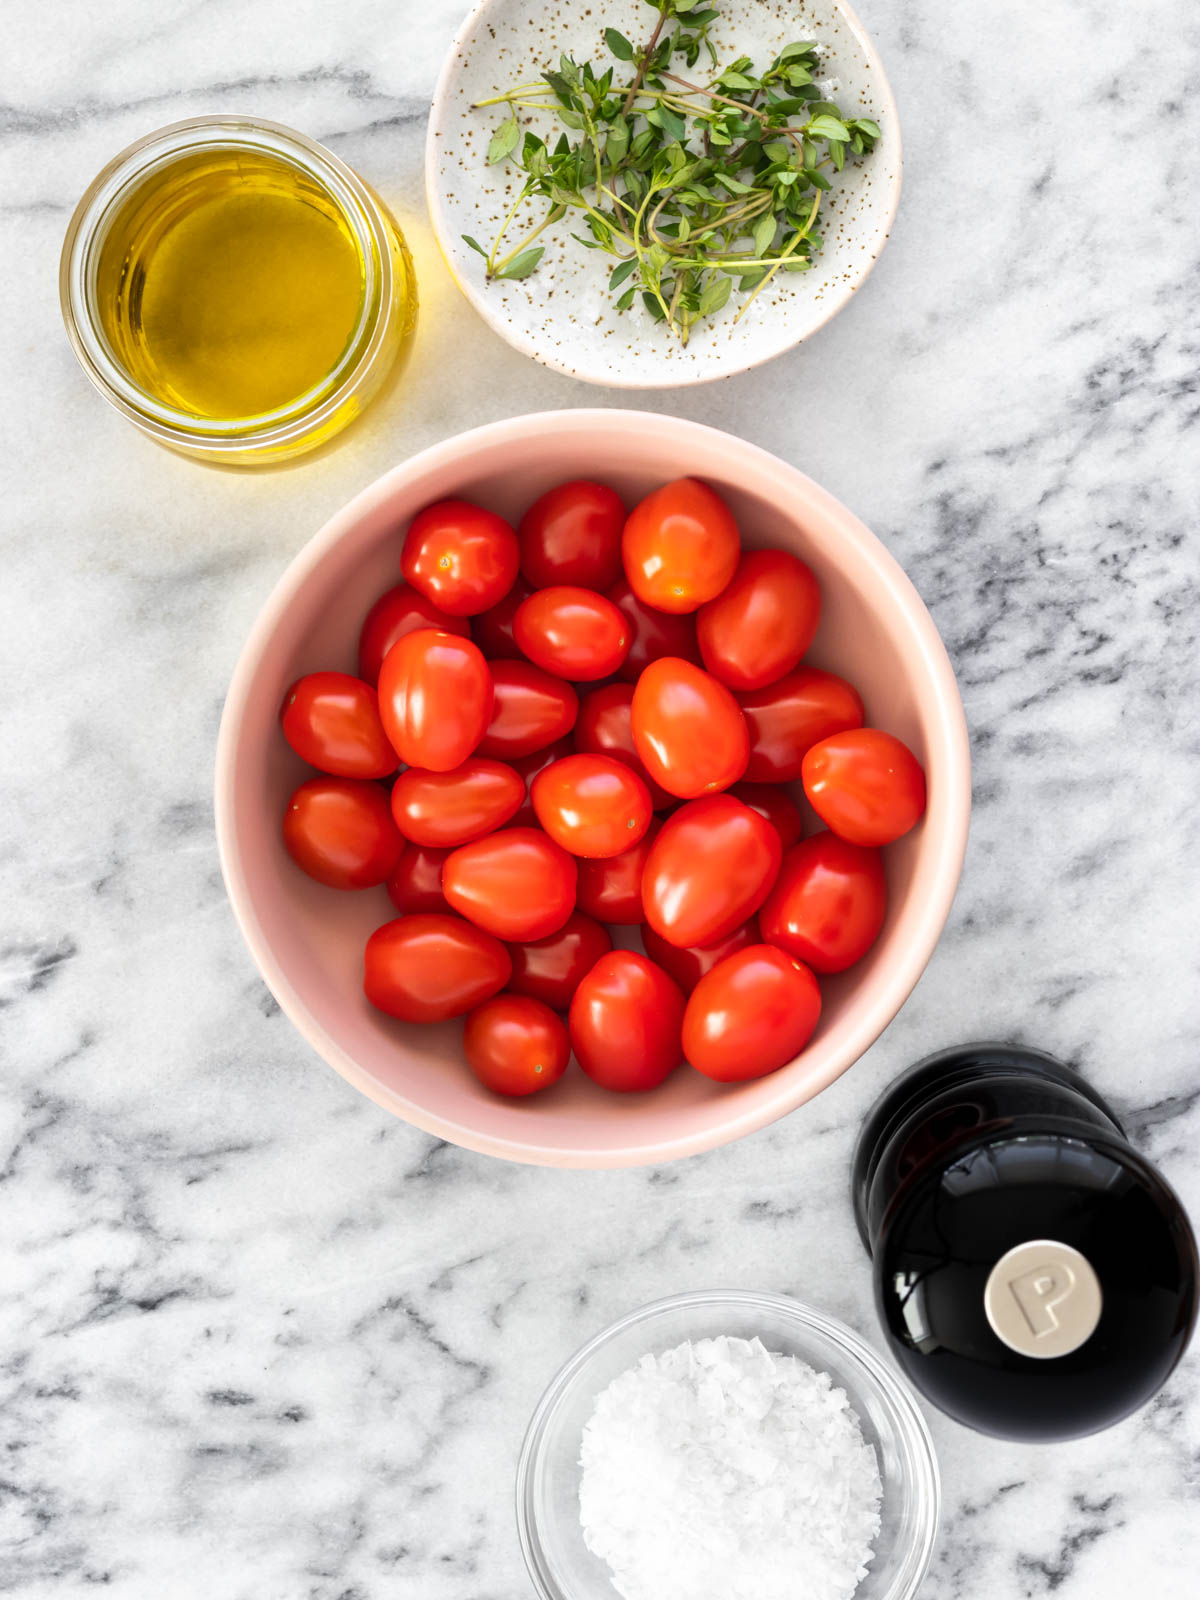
[{"x": 593, "y": 789}]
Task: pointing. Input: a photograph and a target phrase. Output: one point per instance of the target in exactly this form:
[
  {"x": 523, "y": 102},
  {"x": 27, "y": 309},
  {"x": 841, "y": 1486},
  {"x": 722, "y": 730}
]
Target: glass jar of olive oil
[{"x": 236, "y": 290}]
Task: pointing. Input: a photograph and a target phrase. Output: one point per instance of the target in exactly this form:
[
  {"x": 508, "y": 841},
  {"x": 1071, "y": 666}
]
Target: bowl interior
[
  {"x": 575, "y": 329},
  {"x": 548, "y": 1477},
  {"x": 308, "y": 940}
]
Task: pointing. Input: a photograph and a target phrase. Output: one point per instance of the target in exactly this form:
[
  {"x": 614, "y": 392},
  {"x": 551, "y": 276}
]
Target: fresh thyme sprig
[{"x": 698, "y": 185}]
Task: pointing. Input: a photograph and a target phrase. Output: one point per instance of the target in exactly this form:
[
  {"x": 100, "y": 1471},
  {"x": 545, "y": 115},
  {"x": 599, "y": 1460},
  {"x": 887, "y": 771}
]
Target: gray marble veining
[{"x": 259, "y": 1340}]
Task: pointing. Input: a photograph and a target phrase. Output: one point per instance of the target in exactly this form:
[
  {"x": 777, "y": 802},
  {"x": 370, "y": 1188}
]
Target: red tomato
[
  {"x": 416, "y": 884},
  {"x": 592, "y": 805},
  {"x": 867, "y": 786},
  {"x": 680, "y": 546},
  {"x": 435, "y": 699},
  {"x": 771, "y": 800},
  {"x": 340, "y": 831},
  {"x": 460, "y": 556},
  {"x": 611, "y": 890},
  {"x": 828, "y": 903},
  {"x": 574, "y": 633},
  {"x": 492, "y": 630},
  {"x": 551, "y": 969},
  {"x": 752, "y": 1014},
  {"x": 451, "y": 808},
  {"x": 759, "y": 627},
  {"x": 689, "y": 732},
  {"x": 573, "y": 535},
  {"x": 711, "y": 867},
  {"x": 625, "y": 1021},
  {"x": 653, "y": 634},
  {"x": 604, "y": 727},
  {"x": 687, "y": 967},
  {"x": 428, "y": 967},
  {"x": 786, "y": 718},
  {"x": 528, "y": 767},
  {"x": 515, "y": 1045},
  {"x": 531, "y": 710},
  {"x": 331, "y": 720},
  {"x": 401, "y": 610},
  {"x": 517, "y": 884}
]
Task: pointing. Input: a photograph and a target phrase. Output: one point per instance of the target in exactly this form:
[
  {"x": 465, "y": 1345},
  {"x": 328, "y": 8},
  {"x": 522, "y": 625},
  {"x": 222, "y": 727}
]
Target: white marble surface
[{"x": 257, "y": 1339}]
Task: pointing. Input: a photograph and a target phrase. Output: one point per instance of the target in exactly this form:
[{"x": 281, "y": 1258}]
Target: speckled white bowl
[{"x": 563, "y": 314}]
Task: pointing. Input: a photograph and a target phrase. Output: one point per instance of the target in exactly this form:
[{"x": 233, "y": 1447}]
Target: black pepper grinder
[{"x": 1035, "y": 1276}]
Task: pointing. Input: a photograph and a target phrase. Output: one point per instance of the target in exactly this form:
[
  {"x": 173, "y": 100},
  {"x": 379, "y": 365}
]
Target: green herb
[{"x": 701, "y": 186}]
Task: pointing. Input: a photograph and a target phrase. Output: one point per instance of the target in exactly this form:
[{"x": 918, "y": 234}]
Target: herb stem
[
  {"x": 784, "y": 254},
  {"x": 643, "y": 63}
]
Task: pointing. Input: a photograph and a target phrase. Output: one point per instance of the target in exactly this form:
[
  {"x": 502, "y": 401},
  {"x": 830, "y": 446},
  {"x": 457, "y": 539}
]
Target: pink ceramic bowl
[{"x": 308, "y": 940}]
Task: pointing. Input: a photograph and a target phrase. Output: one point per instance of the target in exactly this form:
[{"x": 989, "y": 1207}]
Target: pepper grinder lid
[{"x": 1035, "y": 1276}]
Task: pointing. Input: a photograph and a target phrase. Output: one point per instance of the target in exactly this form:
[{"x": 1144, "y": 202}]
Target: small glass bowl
[
  {"x": 386, "y": 319},
  {"x": 560, "y": 1564}
]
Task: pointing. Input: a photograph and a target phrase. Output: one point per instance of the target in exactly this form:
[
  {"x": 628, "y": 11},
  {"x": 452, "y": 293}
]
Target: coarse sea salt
[{"x": 721, "y": 1471}]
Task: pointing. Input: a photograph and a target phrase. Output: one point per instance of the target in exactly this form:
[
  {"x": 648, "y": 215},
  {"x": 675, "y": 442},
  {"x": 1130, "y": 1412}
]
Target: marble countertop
[{"x": 259, "y": 1341}]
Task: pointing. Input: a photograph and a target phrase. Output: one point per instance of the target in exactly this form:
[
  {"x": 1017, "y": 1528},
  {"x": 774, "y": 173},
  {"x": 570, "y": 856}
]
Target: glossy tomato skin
[
  {"x": 865, "y": 785},
  {"x": 592, "y": 805},
  {"x": 527, "y": 768},
  {"x": 460, "y": 556},
  {"x": 399, "y": 611},
  {"x": 435, "y": 699},
  {"x": 492, "y": 630},
  {"x": 340, "y": 832},
  {"x": 652, "y": 634},
  {"x": 552, "y": 969},
  {"x": 445, "y": 809},
  {"x": 531, "y": 710},
  {"x": 611, "y": 890},
  {"x": 752, "y": 1014},
  {"x": 680, "y": 546},
  {"x": 428, "y": 967},
  {"x": 572, "y": 534},
  {"x": 772, "y": 801},
  {"x": 517, "y": 884},
  {"x": 760, "y": 625},
  {"x": 828, "y": 903},
  {"x": 572, "y": 632},
  {"x": 625, "y": 1023},
  {"x": 604, "y": 727},
  {"x": 331, "y": 720},
  {"x": 712, "y": 865},
  {"x": 515, "y": 1045},
  {"x": 416, "y": 881},
  {"x": 791, "y": 715},
  {"x": 687, "y": 967},
  {"x": 688, "y": 730}
]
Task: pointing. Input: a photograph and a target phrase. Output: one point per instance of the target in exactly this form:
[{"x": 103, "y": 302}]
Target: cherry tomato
[
  {"x": 528, "y": 767},
  {"x": 515, "y": 1045},
  {"x": 551, "y": 969},
  {"x": 435, "y": 699},
  {"x": 773, "y": 801},
  {"x": 331, "y": 720},
  {"x": 865, "y": 785},
  {"x": 689, "y": 732},
  {"x": 460, "y": 556},
  {"x": 451, "y": 808},
  {"x": 625, "y": 1023},
  {"x": 653, "y": 634},
  {"x": 758, "y": 628},
  {"x": 752, "y": 1014},
  {"x": 492, "y": 630},
  {"x": 680, "y": 546},
  {"x": 828, "y": 903},
  {"x": 416, "y": 883},
  {"x": 572, "y": 534},
  {"x": 429, "y": 967},
  {"x": 592, "y": 805},
  {"x": 611, "y": 890},
  {"x": 786, "y": 718},
  {"x": 604, "y": 727},
  {"x": 687, "y": 967},
  {"x": 531, "y": 710},
  {"x": 712, "y": 865},
  {"x": 574, "y": 633},
  {"x": 517, "y": 884},
  {"x": 399, "y": 611},
  {"x": 340, "y": 831}
]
